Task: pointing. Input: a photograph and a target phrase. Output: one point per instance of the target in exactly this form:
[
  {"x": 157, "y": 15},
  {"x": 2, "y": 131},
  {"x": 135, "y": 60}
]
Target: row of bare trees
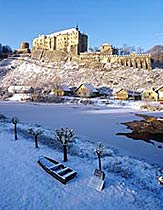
[{"x": 64, "y": 135}]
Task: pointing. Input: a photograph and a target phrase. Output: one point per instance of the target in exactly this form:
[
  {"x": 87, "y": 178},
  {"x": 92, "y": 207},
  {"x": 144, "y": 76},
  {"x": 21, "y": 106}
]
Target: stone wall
[
  {"x": 49, "y": 56},
  {"x": 132, "y": 60},
  {"x": 141, "y": 61}
]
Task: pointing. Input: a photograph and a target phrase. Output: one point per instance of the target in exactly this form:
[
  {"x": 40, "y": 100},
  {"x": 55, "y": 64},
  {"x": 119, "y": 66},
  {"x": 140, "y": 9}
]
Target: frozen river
[{"x": 97, "y": 124}]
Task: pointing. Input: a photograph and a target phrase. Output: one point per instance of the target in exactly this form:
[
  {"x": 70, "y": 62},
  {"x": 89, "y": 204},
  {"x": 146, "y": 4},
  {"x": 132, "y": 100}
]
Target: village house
[
  {"x": 150, "y": 94},
  {"x": 62, "y": 91},
  {"x": 134, "y": 95},
  {"x": 20, "y": 89},
  {"x": 123, "y": 94},
  {"x": 86, "y": 90},
  {"x": 21, "y": 97},
  {"x": 105, "y": 91}
]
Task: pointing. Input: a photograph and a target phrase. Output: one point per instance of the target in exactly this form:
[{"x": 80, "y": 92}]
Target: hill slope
[{"x": 25, "y": 71}]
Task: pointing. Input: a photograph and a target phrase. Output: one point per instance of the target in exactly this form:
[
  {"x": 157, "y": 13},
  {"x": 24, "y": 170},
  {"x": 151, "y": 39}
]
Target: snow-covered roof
[
  {"x": 62, "y": 32},
  {"x": 104, "y": 44},
  {"x": 90, "y": 87},
  {"x": 105, "y": 90},
  {"x": 65, "y": 88}
]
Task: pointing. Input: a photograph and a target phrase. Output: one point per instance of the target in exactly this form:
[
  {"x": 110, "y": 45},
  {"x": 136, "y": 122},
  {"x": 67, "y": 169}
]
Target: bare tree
[
  {"x": 91, "y": 49},
  {"x": 99, "y": 152},
  {"x": 35, "y": 134},
  {"x": 140, "y": 50},
  {"x": 14, "y": 121},
  {"x": 157, "y": 54},
  {"x": 126, "y": 50},
  {"x": 94, "y": 49},
  {"x": 65, "y": 136}
]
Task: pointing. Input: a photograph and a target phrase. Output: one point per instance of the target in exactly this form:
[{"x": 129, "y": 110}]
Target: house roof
[
  {"x": 135, "y": 93},
  {"x": 118, "y": 90},
  {"x": 151, "y": 90},
  {"x": 131, "y": 92},
  {"x": 157, "y": 89},
  {"x": 65, "y": 88},
  {"x": 105, "y": 90},
  {"x": 90, "y": 87}
]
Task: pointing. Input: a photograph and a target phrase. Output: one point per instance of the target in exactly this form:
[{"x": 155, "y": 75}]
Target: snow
[
  {"x": 96, "y": 123},
  {"x": 131, "y": 167},
  {"x": 90, "y": 87},
  {"x": 20, "y": 97},
  {"x": 130, "y": 183},
  {"x": 65, "y": 88},
  {"x": 35, "y": 73},
  {"x": 18, "y": 88}
]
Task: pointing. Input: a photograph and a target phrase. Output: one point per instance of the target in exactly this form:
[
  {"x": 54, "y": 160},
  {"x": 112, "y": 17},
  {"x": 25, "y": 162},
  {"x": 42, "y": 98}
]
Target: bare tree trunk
[
  {"x": 65, "y": 152},
  {"x": 99, "y": 161},
  {"x": 15, "y": 131},
  {"x": 36, "y": 141}
]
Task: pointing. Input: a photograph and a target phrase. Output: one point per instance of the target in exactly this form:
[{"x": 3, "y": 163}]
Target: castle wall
[
  {"x": 132, "y": 60},
  {"x": 49, "y": 56},
  {"x": 141, "y": 61},
  {"x": 71, "y": 45},
  {"x": 71, "y": 41}
]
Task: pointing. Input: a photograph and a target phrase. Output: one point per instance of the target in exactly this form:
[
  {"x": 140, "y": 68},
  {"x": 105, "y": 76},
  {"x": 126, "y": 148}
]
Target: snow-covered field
[{"x": 130, "y": 184}]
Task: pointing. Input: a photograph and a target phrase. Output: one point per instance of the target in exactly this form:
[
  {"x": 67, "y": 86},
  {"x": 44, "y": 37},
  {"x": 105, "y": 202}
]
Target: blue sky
[{"x": 132, "y": 22}]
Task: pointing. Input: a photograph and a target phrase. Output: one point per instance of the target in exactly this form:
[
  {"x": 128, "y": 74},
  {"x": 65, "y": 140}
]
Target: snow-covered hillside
[
  {"x": 130, "y": 183},
  {"x": 25, "y": 71}
]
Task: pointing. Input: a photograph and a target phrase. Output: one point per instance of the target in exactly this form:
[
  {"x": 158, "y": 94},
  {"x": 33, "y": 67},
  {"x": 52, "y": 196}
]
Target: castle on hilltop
[
  {"x": 71, "y": 41},
  {"x": 72, "y": 45}
]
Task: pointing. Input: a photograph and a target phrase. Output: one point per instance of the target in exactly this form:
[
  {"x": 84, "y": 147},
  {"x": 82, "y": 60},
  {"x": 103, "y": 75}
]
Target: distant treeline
[
  {"x": 5, "y": 50},
  {"x": 157, "y": 55}
]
